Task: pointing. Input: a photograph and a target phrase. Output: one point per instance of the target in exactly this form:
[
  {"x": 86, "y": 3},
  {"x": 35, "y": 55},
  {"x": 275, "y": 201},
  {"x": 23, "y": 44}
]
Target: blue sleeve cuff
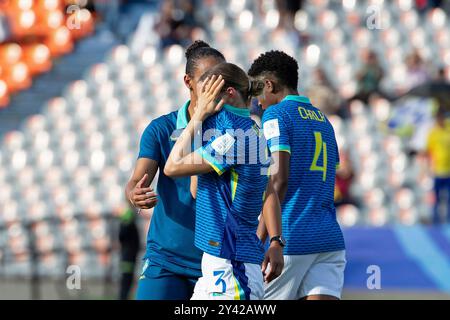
[
  {"x": 280, "y": 147},
  {"x": 154, "y": 157},
  {"x": 219, "y": 168}
]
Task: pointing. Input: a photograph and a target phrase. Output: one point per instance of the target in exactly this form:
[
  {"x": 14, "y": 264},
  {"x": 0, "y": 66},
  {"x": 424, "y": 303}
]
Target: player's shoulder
[
  {"x": 279, "y": 107},
  {"x": 161, "y": 123},
  {"x": 228, "y": 120},
  {"x": 165, "y": 119},
  {"x": 222, "y": 114},
  {"x": 276, "y": 111}
]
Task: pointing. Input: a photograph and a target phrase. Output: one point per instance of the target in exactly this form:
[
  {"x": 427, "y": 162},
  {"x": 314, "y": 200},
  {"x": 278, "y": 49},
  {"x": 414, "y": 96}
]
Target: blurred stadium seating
[
  {"x": 37, "y": 32},
  {"x": 63, "y": 172}
]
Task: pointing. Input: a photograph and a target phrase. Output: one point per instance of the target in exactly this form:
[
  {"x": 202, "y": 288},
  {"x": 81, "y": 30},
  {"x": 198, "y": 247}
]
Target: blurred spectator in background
[
  {"x": 288, "y": 9},
  {"x": 323, "y": 95},
  {"x": 129, "y": 249},
  {"x": 109, "y": 12},
  {"x": 445, "y": 5},
  {"x": 441, "y": 76},
  {"x": 422, "y": 5},
  {"x": 369, "y": 78},
  {"x": 344, "y": 180},
  {"x": 438, "y": 151},
  {"x": 4, "y": 31},
  {"x": 416, "y": 73},
  {"x": 176, "y": 22},
  {"x": 425, "y": 5}
]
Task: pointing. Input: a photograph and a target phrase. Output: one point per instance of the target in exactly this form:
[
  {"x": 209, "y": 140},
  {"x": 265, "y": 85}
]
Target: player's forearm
[
  {"x": 128, "y": 189},
  {"x": 280, "y": 174},
  {"x": 180, "y": 150},
  {"x": 261, "y": 232},
  {"x": 272, "y": 223},
  {"x": 194, "y": 181},
  {"x": 280, "y": 187},
  {"x": 272, "y": 213},
  {"x": 183, "y": 142}
]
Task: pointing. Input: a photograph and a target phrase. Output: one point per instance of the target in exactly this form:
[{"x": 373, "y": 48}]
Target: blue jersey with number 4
[{"x": 308, "y": 213}]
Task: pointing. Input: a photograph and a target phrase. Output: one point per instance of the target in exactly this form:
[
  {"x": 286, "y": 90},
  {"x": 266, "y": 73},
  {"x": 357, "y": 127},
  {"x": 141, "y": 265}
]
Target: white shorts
[
  {"x": 306, "y": 275},
  {"x": 224, "y": 279}
]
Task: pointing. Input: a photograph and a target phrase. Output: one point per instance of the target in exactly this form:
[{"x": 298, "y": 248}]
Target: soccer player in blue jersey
[
  {"x": 304, "y": 160},
  {"x": 171, "y": 263},
  {"x": 231, "y": 165}
]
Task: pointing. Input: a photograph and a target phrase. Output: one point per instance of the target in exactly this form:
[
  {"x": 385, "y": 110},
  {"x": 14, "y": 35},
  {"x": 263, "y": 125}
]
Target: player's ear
[
  {"x": 270, "y": 87},
  {"x": 231, "y": 92},
  {"x": 188, "y": 82}
]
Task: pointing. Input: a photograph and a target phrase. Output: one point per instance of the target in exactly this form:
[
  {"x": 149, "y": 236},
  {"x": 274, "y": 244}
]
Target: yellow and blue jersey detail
[
  {"x": 234, "y": 183},
  {"x": 229, "y": 200},
  {"x": 308, "y": 213},
  {"x": 280, "y": 147},
  {"x": 216, "y": 165}
]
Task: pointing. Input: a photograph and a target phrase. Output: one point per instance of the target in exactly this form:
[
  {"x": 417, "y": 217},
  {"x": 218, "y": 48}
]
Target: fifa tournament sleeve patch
[
  {"x": 271, "y": 129},
  {"x": 222, "y": 144}
]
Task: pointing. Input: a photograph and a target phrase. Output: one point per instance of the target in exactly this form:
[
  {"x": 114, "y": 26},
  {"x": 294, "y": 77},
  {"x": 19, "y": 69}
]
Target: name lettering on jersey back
[{"x": 311, "y": 114}]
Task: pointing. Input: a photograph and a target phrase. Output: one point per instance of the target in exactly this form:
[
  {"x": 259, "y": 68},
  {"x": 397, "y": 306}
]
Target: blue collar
[
  {"x": 301, "y": 99},
  {"x": 182, "y": 118},
  {"x": 242, "y": 112}
]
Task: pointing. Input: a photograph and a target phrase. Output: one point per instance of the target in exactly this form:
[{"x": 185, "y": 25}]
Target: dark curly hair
[
  {"x": 198, "y": 50},
  {"x": 278, "y": 64}
]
